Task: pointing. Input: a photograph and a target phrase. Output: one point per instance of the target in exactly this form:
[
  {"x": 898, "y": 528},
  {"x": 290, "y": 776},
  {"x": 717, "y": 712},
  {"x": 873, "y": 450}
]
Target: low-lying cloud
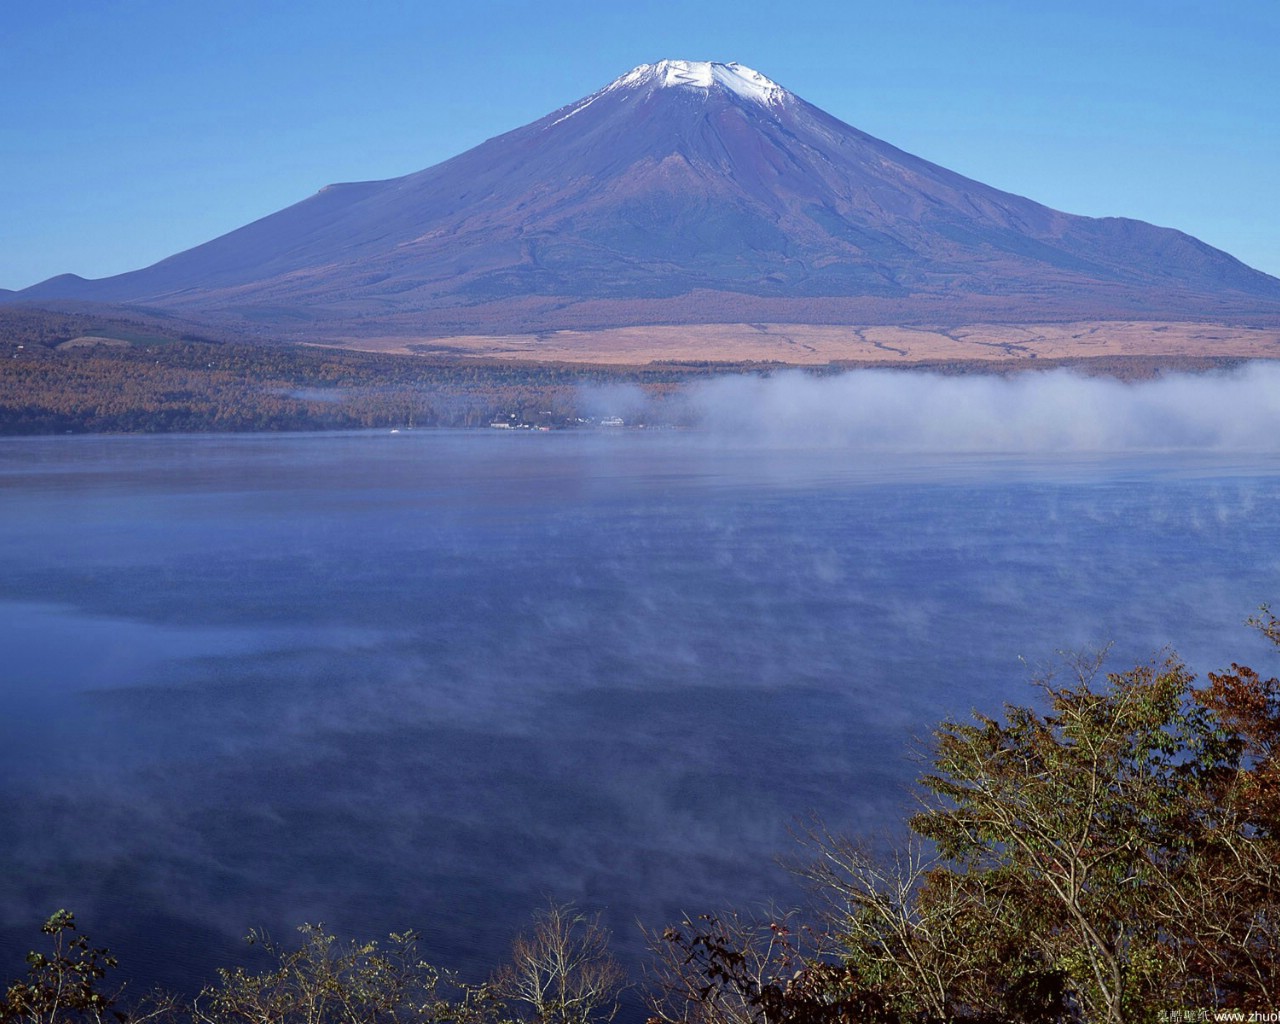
[{"x": 1051, "y": 411}]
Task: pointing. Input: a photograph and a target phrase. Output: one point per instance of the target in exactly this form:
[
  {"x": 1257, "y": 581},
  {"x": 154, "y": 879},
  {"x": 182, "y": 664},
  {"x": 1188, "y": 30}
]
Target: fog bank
[{"x": 890, "y": 410}]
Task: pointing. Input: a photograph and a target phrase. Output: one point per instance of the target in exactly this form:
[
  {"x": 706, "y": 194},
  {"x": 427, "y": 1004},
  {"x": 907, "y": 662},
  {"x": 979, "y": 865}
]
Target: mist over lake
[{"x": 430, "y": 679}]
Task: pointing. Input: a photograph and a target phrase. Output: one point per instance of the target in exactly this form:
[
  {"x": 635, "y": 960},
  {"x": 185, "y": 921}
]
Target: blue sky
[{"x": 133, "y": 129}]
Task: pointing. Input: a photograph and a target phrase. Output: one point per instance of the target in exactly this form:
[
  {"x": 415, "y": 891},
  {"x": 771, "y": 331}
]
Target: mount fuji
[{"x": 684, "y": 192}]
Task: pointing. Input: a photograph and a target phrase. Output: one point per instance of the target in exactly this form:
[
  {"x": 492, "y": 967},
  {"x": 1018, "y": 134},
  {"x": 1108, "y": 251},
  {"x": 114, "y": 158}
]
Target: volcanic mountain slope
[{"x": 682, "y": 192}]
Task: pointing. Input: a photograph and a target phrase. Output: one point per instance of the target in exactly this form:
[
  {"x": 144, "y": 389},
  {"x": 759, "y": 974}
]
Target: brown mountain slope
[{"x": 681, "y": 193}]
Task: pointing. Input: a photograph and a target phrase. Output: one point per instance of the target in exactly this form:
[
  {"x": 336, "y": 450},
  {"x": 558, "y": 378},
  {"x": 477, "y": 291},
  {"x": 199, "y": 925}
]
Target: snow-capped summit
[
  {"x": 682, "y": 192},
  {"x": 704, "y": 74}
]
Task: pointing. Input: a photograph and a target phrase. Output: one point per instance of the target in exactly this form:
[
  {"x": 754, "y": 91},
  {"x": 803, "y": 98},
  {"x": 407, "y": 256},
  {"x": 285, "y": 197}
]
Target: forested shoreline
[
  {"x": 82, "y": 373},
  {"x": 76, "y": 374}
]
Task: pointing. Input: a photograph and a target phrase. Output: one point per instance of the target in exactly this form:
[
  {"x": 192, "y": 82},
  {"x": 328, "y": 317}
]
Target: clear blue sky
[{"x": 133, "y": 129}]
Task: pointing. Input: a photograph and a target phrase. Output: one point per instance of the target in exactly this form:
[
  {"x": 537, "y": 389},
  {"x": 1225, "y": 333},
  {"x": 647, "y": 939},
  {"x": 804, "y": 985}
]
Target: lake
[{"x": 431, "y": 679}]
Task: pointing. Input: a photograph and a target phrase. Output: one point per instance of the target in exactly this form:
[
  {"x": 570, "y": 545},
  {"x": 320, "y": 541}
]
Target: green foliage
[
  {"x": 1101, "y": 860},
  {"x": 1087, "y": 817},
  {"x": 64, "y": 984},
  {"x": 328, "y": 981},
  {"x": 1108, "y": 855}
]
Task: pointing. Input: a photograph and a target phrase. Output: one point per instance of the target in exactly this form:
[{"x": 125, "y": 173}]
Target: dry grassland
[{"x": 799, "y": 344}]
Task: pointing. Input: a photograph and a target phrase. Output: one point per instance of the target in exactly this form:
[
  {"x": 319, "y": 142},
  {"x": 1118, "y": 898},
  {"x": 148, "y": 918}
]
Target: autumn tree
[
  {"x": 1108, "y": 854},
  {"x": 767, "y": 969},
  {"x": 329, "y": 981},
  {"x": 67, "y": 984},
  {"x": 1237, "y": 904},
  {"x": 561, "y": 971}
]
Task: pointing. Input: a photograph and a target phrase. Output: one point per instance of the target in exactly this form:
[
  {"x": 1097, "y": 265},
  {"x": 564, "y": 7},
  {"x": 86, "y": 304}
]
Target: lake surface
[{"x": 428, "y": 680}]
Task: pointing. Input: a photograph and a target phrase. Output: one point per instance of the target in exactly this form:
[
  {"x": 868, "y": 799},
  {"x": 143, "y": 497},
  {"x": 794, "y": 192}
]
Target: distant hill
[{"x": 681, "y": 193}]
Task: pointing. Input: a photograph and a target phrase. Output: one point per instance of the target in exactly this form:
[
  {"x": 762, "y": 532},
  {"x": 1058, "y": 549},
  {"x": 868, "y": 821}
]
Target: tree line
[
  {"x": 85, "y": 373},
  {"x": 188, "y": 386},
  {"x": 77, "y": 373},
  {"x": 1109, "y": 855}
]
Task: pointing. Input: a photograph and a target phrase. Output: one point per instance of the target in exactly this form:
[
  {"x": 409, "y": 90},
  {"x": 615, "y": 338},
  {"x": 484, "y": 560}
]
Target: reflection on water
[{"x": 429, "y": 679}]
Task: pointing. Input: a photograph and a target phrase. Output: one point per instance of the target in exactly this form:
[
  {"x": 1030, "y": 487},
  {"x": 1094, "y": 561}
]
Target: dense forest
[
  {"x": 85, "y": 373},
  {"x": 64, "y": 373},
  {"x": 1111, "y": 854}
]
